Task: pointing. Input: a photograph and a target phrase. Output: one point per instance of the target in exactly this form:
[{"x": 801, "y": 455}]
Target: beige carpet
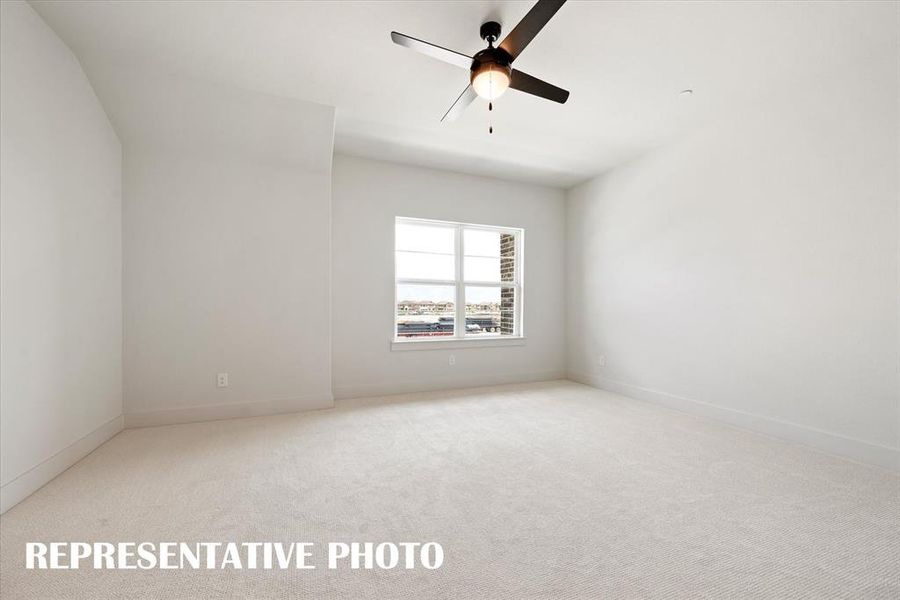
[{"x": 552, "y": 490}]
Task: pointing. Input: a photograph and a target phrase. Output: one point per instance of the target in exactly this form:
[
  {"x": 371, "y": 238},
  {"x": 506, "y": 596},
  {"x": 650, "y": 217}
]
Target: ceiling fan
[{"x": 491, "y": 71}]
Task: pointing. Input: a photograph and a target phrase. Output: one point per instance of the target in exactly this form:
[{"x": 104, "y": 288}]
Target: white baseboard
[
  {"x": 16, "y": 490},
  {"x": 345, "y": 392},
  {"x": 826, "y": 441},
  {"x": 216, "y": 412}
]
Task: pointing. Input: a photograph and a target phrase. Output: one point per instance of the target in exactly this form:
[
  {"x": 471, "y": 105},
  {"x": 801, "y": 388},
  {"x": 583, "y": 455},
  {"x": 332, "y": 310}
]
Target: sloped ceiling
[{"x": 624, "y": 62}]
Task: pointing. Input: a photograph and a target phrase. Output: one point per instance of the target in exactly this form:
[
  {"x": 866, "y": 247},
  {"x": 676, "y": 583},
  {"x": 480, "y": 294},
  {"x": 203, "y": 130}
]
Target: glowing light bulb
[{"x": 490, "y": 82}]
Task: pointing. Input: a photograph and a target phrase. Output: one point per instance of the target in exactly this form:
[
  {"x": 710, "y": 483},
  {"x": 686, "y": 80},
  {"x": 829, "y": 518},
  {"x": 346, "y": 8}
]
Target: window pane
[
  {"x": 418, "y": 265},
  {"x": 477, "y": 268},
  {"x": 425, "y": 310},
  {"x": 478, "y": 242},
  {"x": 490, "y": 311},
  {"x": 425, "y": 238},
  {"x": 490, "y": 257}
]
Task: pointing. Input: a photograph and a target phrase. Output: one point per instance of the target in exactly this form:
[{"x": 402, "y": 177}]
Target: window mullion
[{"x": 414, "y": 281}]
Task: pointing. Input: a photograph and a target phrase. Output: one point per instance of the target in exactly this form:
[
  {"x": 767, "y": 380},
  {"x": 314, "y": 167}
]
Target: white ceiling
[{"x": 624, "y": 63}]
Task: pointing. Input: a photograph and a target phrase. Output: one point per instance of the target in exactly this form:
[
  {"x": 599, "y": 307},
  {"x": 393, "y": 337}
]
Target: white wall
[
  {"x": 60, "y": 249},
  {"x": 227, "y": 236},
  {"x": 226, "y": 270},
  {"x": 367, "y": 196},
  {"x": 750, "y": 272}
]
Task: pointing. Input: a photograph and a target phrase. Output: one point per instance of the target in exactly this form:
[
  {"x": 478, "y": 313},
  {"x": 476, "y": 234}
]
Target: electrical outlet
[
  {"x": 452, "y": 359},
  {"x": 601, "y": 360},
  {"x": 222, "y": 380}
]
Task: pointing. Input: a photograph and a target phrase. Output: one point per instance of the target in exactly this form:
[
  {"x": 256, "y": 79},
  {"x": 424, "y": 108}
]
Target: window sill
[{"x": 484, "y": 342}]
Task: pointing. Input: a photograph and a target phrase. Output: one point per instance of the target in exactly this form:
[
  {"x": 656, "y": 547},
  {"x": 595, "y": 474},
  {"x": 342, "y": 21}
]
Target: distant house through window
[{"x": 456, "y": 281}]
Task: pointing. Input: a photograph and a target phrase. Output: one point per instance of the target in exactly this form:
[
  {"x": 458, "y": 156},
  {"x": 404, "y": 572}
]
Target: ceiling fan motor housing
[{"x": 495, "y": 59}]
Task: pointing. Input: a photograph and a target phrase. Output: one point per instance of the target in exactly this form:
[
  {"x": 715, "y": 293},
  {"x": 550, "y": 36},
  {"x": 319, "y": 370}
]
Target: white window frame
[{"x": 459, "y": 338}]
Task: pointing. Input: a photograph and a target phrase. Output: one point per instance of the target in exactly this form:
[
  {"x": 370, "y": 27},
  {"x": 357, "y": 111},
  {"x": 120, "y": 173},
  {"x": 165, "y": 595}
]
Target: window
[{"x": 447, "y": 274}]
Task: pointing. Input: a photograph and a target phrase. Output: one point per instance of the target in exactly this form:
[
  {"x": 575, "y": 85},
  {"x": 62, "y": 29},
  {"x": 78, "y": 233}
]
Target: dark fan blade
[
  {"x": 454, "y": 58},
  {"x": 530, "y": 25},
  {"x": 537, "y": 87},
  {"x": 464, "y": 100}
]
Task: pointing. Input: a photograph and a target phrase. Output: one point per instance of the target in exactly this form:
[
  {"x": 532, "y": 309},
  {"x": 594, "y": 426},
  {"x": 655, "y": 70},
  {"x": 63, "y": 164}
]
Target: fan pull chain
[{"x": 490, "y": 125}]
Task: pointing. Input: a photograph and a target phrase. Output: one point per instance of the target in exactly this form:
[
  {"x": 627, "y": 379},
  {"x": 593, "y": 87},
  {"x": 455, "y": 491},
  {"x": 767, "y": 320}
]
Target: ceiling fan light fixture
[
  {"x": 490, "y": 70},
  {"x": 490, "y": 81}
]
